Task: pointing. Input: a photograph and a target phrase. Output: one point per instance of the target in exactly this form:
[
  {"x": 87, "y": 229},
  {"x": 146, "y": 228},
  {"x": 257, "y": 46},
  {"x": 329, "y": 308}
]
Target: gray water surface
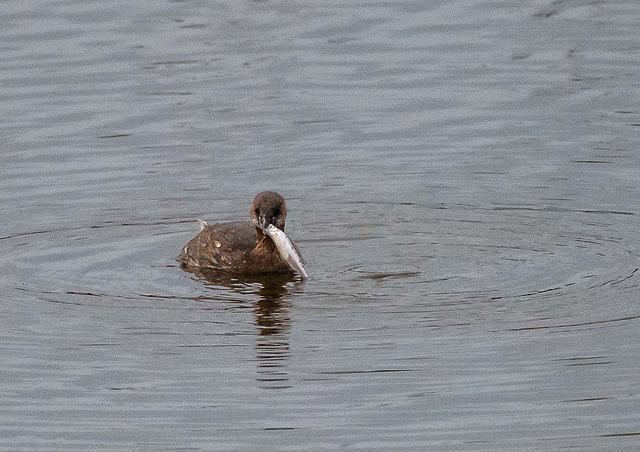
[{"x": 462, "y": 178}]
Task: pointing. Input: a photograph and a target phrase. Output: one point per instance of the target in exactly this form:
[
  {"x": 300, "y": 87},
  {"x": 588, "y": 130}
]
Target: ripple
[{"x": 465, "y": 195}]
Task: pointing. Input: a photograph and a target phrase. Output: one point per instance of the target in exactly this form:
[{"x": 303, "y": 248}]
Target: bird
[{"x": 251, "y": 247}]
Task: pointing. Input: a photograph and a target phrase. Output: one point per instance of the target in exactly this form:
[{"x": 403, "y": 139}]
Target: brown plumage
[{"x": 241, "y": 246}]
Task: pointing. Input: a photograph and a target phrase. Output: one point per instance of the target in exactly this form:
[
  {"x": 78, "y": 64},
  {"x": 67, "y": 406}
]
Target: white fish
[{"x": 286, "y": 249}]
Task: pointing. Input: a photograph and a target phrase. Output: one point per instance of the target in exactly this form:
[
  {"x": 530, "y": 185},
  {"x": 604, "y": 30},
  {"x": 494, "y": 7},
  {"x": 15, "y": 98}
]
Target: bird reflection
[{"x": 271, "y": 312}]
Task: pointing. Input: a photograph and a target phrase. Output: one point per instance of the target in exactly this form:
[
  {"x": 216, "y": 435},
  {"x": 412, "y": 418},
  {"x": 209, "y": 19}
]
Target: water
[{"x": 461, "y": 177}]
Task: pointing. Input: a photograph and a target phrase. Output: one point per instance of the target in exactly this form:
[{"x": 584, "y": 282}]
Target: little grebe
[{"x": 249, "y": 247}]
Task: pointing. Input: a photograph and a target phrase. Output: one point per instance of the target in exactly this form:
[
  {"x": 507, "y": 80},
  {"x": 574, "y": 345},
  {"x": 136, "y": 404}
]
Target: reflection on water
[{"x": 272, "y": 318}]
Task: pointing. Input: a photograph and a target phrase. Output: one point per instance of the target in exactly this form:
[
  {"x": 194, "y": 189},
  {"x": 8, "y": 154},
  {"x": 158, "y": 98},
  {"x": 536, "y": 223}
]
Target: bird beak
[
  {"x": 286, "y": 249},
  {"x": 262, "y": 223}
]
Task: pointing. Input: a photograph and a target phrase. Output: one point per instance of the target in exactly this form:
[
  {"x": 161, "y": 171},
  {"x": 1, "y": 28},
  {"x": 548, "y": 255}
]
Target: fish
[{"x": 286, "y": 249}]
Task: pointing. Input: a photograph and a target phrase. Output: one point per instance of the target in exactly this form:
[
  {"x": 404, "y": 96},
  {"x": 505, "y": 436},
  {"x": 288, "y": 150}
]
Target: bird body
[{"x": 246, "y": 247}]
